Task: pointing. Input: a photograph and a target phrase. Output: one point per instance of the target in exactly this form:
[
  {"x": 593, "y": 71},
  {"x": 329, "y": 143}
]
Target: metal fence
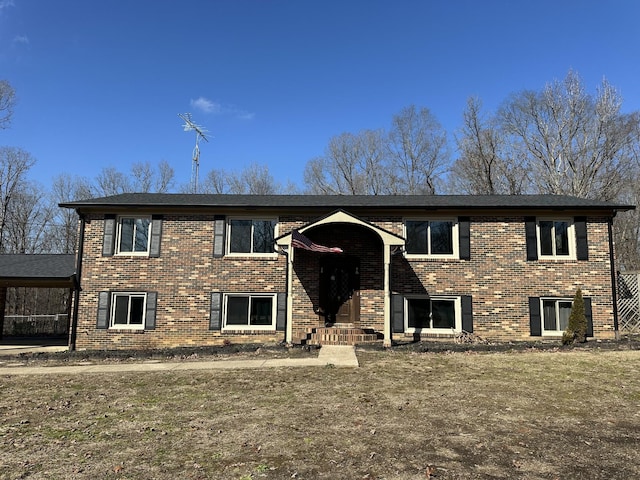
[
  {"x": 629, "y": 302},
  {"x": 26, "y": 325}
]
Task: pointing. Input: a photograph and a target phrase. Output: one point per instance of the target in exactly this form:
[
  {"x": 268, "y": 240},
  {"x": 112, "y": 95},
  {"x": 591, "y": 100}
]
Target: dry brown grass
[{"x": 401, "y": 415}]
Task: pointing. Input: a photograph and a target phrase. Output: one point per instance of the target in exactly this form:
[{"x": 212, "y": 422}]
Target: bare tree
[
  {"x": 14, "y": 165},
  {"x": 63, "y": 231},
  {"x": 143, "y": 178},
  {"x": 147, "y": 179},
  {"x": 7, "y": 102},
  {"x": 215, "y": 181},
  {"x": 418, "y": 151},
  {"x": 485, "y": 165},
  {"x": 353, "y": 164},
  {"x": 408, "y": 159},
  {"x": 28, "y": 220},
  {"x": 254, "y": 180},
  {"x": 110, "y": 181},
  {"x": 575, "y": 144}
]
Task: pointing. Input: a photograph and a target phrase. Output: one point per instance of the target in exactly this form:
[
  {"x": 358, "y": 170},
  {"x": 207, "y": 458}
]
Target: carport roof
[{"x": 47, "y": 271}]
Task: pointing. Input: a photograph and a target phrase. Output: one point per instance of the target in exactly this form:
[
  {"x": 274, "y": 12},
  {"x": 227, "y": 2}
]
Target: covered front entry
[
  {"x": 339, "y": 299},
  {"x": 326, "y": 289}
]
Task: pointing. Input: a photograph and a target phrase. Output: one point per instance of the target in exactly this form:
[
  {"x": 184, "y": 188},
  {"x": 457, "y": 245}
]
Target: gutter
[{"x": 73, "y": 331}]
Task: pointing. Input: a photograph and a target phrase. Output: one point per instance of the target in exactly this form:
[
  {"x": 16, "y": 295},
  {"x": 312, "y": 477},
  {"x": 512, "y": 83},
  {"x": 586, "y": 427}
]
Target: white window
[
  {"x": 431, "y": 238},
  {"x": 555, "y": 315},
  {"x": 252, "y": 236},
  {"x": 249, "y": 311},
  {"x": 433, "y": 314},
  {"x": 128, "y": 310},
  {"x": 556, "y": 238},
  {"x": 134, "y": 234}
]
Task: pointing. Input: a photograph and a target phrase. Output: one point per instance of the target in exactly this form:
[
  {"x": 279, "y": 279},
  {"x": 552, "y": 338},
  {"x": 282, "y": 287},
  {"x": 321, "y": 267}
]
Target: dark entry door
[{"x": 340, "y": 289}]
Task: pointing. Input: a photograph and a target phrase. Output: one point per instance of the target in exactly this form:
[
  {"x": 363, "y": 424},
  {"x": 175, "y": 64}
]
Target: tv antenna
[{"x": 188, "y": 126}]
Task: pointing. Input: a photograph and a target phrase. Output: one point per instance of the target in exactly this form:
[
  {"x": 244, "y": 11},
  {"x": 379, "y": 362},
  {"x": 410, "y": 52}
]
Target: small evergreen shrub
[{"x": 576, "y": 331}]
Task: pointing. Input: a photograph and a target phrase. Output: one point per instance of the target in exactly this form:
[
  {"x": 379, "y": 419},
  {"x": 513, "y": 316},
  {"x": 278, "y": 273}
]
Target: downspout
[
  {"x": 614, "y": 280},
  {"x": 73, "y": 331}
]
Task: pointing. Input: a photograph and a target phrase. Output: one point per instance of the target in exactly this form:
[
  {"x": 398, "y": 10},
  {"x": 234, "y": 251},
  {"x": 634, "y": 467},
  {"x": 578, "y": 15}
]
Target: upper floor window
[
  {"x": 252, "y": 236},
  {"x": 133, "y": 235},
  {"x": 556, "y": 238},
  {"x": 431, "y": 238}
]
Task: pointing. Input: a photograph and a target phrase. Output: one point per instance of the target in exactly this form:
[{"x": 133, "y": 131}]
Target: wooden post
[{"x": 3, "y": 301}]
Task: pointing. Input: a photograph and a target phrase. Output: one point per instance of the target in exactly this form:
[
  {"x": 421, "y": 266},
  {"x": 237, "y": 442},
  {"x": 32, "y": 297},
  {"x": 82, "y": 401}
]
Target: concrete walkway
[{"x": 335, "y": 355}]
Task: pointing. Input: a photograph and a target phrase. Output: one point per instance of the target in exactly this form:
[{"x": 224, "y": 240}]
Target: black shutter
[
  {"x": 103, "y": 310},
  {"x": 281, "y": 315},
  {"x": 397, "y": 313},
  {"x": 535, "y": 319},
  {"x": 588, "y": 315},
  {"x": 219, "y": 225},
  {"x": 156, "y": 234},
  {"x": 150, "y": 314},
  {"x": 109, "y": 235},
  {"x": 215, "y": 315},
  {"x": 532, "y": 238},
  {"x": 464, "y": 238},
  {"x": 467, "y": 313},
  {"x": 582, "y": 245}
]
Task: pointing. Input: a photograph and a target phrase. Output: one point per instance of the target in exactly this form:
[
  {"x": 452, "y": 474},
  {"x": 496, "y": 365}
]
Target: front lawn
[{"x": 401, "y": 415}]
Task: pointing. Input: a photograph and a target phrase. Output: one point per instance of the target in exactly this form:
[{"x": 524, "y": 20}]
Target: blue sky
[{"x": 100, "y": 83}]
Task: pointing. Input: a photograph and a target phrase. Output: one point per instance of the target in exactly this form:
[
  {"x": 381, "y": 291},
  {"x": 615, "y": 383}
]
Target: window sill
[
  {"x": 125, "y": 330},
  {"x": 249, "y": 331},
  {"x": 423, "y": 332},
  {"x": 415, "y": 256},
  {"x": 551, "y": 258},
  {"x": 252, "y": 256}
]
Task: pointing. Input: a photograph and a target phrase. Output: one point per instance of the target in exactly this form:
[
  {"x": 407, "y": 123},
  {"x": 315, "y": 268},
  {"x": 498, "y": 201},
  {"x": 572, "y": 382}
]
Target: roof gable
[{"x": 341, "y": 216}]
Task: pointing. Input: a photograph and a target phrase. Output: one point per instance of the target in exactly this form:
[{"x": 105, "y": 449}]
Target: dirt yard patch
[{"x": 401, "y": 415}]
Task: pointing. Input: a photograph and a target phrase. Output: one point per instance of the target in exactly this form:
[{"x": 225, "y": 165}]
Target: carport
[{"x": 35, "y": 271}]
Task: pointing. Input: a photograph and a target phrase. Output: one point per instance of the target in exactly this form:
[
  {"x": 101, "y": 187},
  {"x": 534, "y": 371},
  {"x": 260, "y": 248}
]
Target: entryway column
[
  {"x": 288, "y": 336},
  {"x": 387, "y": 295}
]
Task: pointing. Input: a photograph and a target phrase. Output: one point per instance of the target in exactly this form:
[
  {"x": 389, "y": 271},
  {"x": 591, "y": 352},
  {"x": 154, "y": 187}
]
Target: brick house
[{"x": 168, "y": 270}]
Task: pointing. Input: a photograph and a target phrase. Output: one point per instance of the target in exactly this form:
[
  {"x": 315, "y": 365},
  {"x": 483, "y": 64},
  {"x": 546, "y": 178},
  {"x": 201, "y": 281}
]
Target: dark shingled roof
[
  {"x": 179, "y": 200},
  {"x": 37, "y": 270}
]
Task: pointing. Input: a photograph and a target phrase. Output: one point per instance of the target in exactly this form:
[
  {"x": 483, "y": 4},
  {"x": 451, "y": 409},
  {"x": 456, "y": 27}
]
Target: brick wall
[
  {"x": 498, "y": 276},
  {"x": 184, "y": 276}
]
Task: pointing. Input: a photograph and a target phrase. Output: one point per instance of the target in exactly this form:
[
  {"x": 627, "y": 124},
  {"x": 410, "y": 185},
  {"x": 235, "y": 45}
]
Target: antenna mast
[{"x": 200, "y": 134}]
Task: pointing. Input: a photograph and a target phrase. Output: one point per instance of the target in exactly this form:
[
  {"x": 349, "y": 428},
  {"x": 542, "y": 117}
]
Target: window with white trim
[
  {"x": 249, "y": 311},
  {"x": 134, "y": 234},
  {"x": 555, "y": 315},
  {"x": 556, "y": 238},
  {"x": 433, "y": 314},
  {"x": 437, "y": 238},
  {"x": 128, "y": 310},
  {"x": 252, "y": 236}
]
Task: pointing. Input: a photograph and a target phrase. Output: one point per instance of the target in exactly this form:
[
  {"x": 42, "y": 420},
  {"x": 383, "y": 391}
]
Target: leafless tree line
[{"x": 560, "y": 139}]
